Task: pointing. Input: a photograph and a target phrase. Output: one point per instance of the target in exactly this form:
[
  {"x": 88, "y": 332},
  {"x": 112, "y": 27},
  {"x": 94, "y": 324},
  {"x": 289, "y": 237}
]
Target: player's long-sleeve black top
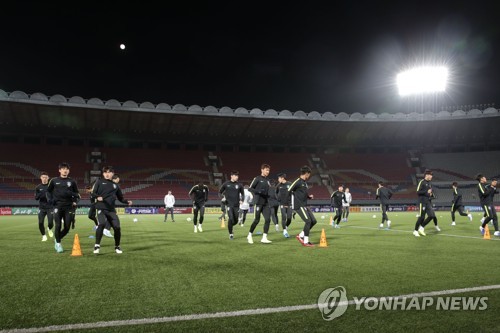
[
  {"x": 422, "y": 191},
  {"x": 336, "y": 199},
  {"x": 199, "y": 195},
  {"x": 486, "y": 194},
  {"x": 457, "y": 197},
  {"x": 298, "y": 192},
  {"x": 384, "y": 194},
  {"x": 260, "y": 189},
  {"x": 41, "y": 196},
  {"x": 110, "y": 192},
  {"x": 62, "y": 192},
  {"x": 233, "y": 192},
  {"x": 282, "y": 193}
]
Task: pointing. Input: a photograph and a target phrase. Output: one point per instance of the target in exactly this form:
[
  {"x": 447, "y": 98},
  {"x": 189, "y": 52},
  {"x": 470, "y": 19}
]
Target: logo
[
  {"x": 114, "y": 186},
  {"x": 55, "y": 211},
  {"x": 332, "y": 303},
  {"x": 69, "y": 184},
  {"x": 236, "y": 186}
]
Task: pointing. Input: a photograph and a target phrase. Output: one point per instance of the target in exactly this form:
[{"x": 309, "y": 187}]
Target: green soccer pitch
[{"x": 172, "y": 279}]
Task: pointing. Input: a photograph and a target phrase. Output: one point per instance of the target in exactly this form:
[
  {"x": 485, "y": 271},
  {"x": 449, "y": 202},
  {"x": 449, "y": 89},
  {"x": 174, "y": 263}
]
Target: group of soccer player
[{"x": 59, "y": 197}]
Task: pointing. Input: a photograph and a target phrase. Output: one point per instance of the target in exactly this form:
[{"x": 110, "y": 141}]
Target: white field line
[
  {"x": 251, "y": 312},
  {"x": 433, "y": 234}
]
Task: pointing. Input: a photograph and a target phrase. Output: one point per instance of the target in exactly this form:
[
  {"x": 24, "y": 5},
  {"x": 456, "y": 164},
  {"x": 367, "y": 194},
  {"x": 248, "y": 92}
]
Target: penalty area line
[{"x": 250, "y": 312}]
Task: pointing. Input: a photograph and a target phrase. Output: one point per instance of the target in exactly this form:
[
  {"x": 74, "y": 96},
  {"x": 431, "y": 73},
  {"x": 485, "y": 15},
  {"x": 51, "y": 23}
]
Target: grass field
[{"x": 167, "y": 270}]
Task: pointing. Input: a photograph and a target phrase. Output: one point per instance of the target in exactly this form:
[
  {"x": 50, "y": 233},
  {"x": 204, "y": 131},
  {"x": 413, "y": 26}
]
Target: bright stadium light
[{"x": 422, "y": 80}]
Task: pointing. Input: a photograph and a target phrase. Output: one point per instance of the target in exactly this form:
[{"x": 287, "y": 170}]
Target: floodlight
[{"x": 422, "y": 80}]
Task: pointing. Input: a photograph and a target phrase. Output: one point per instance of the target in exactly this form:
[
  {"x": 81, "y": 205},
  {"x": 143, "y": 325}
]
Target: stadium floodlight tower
[{"x": 422, "y": 80}]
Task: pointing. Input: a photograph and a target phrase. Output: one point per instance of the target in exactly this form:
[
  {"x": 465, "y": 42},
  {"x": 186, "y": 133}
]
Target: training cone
[
  {"x": 222, "y": 223},
  {"x": 77, "y": 250},
  {"x": 322, "y": 240},
  {"x": 486, "y": 233},
  {"x": 331, "y": 220}
]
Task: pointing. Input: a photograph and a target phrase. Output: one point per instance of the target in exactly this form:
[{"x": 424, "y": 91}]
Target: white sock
[
  {"x": 301, "y": 235},
  {"x": 249, "y": 234},
  {"x": 264, "y": 236},
  {"x": 306, "y": 239}
]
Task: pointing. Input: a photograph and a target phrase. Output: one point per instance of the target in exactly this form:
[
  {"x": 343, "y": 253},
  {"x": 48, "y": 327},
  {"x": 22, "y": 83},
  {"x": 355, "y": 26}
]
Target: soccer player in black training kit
[
  {"x": 63, "y": 193},
  {"x": 337, "y": 198},
  {"x": 384, "y": 195},
  {"x": 106, "y": 191},
  {"x": 44, "y": 207},
  {"x": 284, "y": 201},
  {"x": 457, "y": 204},
  {"x": 274, "y": 204},
  {"x": 486, "y": 194},
  {"x": 299, "y": 195},
  {"x": 425, "y": 195},
  {"x": 233, "y": 191},
  {"x": 199, "y": 195},
  {"x": 260, "y": 189}
]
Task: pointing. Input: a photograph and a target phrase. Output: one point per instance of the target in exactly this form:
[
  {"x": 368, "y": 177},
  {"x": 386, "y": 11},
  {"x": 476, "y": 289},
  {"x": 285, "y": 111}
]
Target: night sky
[{"x": 341, "y": 57}]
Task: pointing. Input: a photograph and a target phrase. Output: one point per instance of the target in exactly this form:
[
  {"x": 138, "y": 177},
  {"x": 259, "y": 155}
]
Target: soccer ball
[
  {"x": 323, "y": 217},
  {"x": 374, "y": 216},
  {"x": 135, "y": 220},
  {"x": 189, "y": 219}
]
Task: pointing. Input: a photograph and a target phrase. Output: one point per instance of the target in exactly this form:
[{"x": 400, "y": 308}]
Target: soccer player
[
  {"x": 260, "y": 189},
  {"x": 425, "y": 195},
  {"x": 92, "y": 211},
  {"x": 384, "y": 195},
  {"x": 106, "y": 191},
  {"x": 486, "y": 194},
  {"x": 233, "y": 191},
  {"x": 274, "y": 204},
  {"x": 199, "y": 195},
  {"x": 298, "y": 192},
  {"x": 346, "y": 204},
  {"x": 63, "y": 193},
  {"x": 44, "y": 207},
  {"x": 245, "y": 206},
  {"x": 169, "y": 206},
  {"x": 457, "y": 204},
  {"x": 337, "y": 198},
  {"x": 285, "y": 204}
]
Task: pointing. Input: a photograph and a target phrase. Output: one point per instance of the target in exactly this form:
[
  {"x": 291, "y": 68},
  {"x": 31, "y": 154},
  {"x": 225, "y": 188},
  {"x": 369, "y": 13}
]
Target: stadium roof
[{"x": 57, "y": 115}]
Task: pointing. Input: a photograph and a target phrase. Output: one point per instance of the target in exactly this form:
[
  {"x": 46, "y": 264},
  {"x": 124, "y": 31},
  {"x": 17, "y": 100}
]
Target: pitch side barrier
[{"x": 10, "y": 211}]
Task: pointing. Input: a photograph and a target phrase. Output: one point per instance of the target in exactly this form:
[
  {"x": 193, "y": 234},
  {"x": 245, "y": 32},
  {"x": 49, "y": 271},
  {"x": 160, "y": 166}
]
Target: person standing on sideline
[
  {"x": 457, "y": 204},
  {"x": 346, "y": 205},
  {"x": 384, "y": 195},
  {"x": 260, "y": 189},
  {"x": 106, "y": 191},
  {"x": 425, "y": 195},
  {"x": 44, "y": 207},
  {"x": 63, "y": 193},
  {"x": 199, "y": 195},
  {"x": 298, "y": 192},
  {"x": 234, "y": 193},
  {"x": 337, "y": 199},
  {"x": 169, "y": 206},
  {"x": 486, "y": 194},
  {"x": 245, "y": 206},
  {"x": 285, "y": 203}
]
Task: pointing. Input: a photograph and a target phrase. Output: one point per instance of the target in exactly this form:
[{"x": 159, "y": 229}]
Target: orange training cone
[
  {"x": 331, "y": 219},
  {"x": 222, "y": 223},
  {"x": 322, "y": 240},
  {"x": 77, "y": 251},
  {"x": 486, "y": 233}
]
